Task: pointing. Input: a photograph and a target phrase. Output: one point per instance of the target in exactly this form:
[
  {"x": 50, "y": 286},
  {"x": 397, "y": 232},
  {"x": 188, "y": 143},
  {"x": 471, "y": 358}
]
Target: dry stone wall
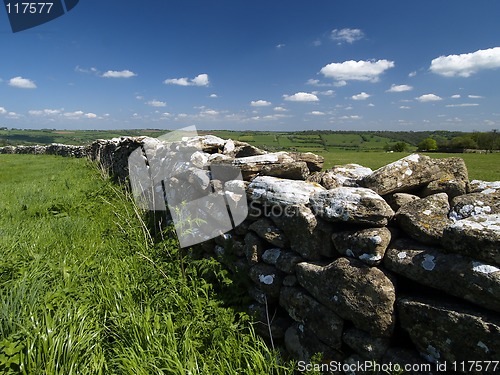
[{"x": 401, "y": 264}]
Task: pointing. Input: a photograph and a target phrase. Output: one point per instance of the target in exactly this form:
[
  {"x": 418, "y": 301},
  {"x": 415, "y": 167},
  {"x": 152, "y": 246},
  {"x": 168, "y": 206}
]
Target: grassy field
[{"x": 85, "y": 290}]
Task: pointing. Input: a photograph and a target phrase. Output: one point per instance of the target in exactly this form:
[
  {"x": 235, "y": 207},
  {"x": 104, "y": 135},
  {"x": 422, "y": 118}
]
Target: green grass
[{"x": 85, "y": 290}]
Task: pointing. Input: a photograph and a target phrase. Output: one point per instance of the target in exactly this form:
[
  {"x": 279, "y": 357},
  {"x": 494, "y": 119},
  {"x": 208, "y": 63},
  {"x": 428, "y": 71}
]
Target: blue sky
[{"x": 258, "y": 65}]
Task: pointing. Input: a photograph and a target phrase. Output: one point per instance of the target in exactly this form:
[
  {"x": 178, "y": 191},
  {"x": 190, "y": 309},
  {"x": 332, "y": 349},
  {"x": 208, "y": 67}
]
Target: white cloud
[
  {"x": 462, "y": 105},
  {"x": 356, "y": 70},
  {"x": 199, "y": 80},
  {"x": 412, "y": 74},
  {"x": 3, "y": 111},
  {"x": 456, "y": 96},
  {"x": 260, "y": 103},
  {"x": 45, "y": 112},
  {"x": 466, "y": 64},
  {"x": 327, "y": 92},
  {"x": 476, "y": 97},
  {"x": 139, "y": 97},
  {"x": 316, "y": 113},
  {"x": 156, "y": 103},
  {"x": 301, "y": 97},
  {"x": 22, "y": 83},
  {"x": 90, "y": 115},
  {"x": 400, "y": 88},
  {"x": 353, "y": 117},
  {"x": 75, "y": 114},
  {"x": 317, "y": 83},
  {"x": 404, "y": 107},
  {"x": 280, "y": 109},
  {"x": 371, "y": 105},
  {"x": 213, "y": 96},
  {"x": 361, "y": 96},
  {"x": 429, "y": 98},
  {"x": 347, "y": 35},
  {"x": 279, "y": 46},
  {"x": 317, "y": 43},
  {"x": 118, "y": 74},
  {"x": 210, "y": 112}
]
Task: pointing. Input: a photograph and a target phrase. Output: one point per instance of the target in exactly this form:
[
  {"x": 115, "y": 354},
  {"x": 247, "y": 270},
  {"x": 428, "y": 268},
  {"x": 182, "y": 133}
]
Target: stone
[
  {"x": 266, "y": 230},
  {"x": 477, "y": 237},
  {"x": 453, "y": 178},
  {"x": 449, "y": 332},
  {"x": 237, "y": 149},
  {"x": 287, "y": 261},
  {"x": 324, "y": 323},
  {"x": 457, "y": 275},
  {"x": 403, "y": 175},
  {"x": 314, "y": 162},
  {"x": 309, "y": 236},
  {"x": 368, "y": 347},
  {"x": 356, "y": 292},
  {"x": 277, "y": 164},
  {"x": 397, "y": 200},
  {"x": 473, "y": 204},
  {"x": 253, "y": 248},
  {"x": 268, "y": 279},
  {"x": 351, "y": 205},
  {"x": 302, "y": 344},
  {"x": 367, "y": 245},
  {"x": 425, "y": 219},
  {"x": 278, "y": 191},
  {"x": 340, "y": 175},
  {"x": 485, "y": 187}
]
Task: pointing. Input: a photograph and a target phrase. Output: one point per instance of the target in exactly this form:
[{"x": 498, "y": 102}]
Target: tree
[
  {"x": 463, "y": 142},
  {"x": 400, "y": 147},
  {"x": 428, "y": 144}
]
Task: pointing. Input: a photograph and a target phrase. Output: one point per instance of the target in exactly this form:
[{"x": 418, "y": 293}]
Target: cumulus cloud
[
  {"x": 346, "y": 35},
  {"x": 361, "y": 96},
  {"x": 156, "y": 103},
  {"x": 476, "y": 97},
  {"x": 466, "y": 64},
  {"x": 45, "y": 112},
  {"x": 317, "y": 83},
  {"x": 213, "y": 96},
  {"x": 404, "y": 107},
  {"x": 356, "y": 70},
  {"x": 353, "y": 117},
  {"x": 260, "y": 103},
  {"x": 429, "y": 98},
  {"x": 316, "y": 113},
  {"x": 456, "y": 96},
  {"x": 412, "y": 74},
  {"x": 209, "y": 112},
  {"x": 90, "y": 115},
  {"x": 3, "y": 111},
  {"x": 301, "y": 97},
  {"x": 199, "y": 80},
  {"x": 281, "y": 45},
  {"x": 119, "y": 74},
  {"x": 22, "y": 83},
  {"x": 400, "y": 88}
]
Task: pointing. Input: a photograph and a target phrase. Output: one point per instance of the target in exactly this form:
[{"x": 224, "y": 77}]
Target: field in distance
[{"x": 337, "y": 147}]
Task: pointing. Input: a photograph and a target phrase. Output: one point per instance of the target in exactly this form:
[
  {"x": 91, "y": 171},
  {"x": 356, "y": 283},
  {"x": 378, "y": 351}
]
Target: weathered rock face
[
  {"x": 353, "y": 205},
  {"x": 477, "y": 236},
  {"x": 365, "y": 345},
  {"x": 485, "y": 187},
  {"x": 445, "y": 332},
  {"x": 314, "y": 162},
  {"x": 473, "y": 204},
  {"x": 267, "y": 231},
  {"x": 308, "y": 235},
  {"x": 454, "y": 274},
  {"x": 324, "y": 323},
  {"x": 277, "y": 191},
  {"x": 403, "y": 175},
  {"x": 345, "y": 175},
  {"x": 355, "y": 292},
  {"x": 453, "y": 178},
  {"x": 367, "y": 245},
  {"x": 398, "y": 200},
  {"x": 277, "y": 164},
  {"x": 268, "y": 279},
  {"x": 425, "y": 219}
]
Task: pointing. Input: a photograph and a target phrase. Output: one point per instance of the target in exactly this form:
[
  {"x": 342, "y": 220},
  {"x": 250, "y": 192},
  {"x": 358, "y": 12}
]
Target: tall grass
[{"x": 84, "y": 289}]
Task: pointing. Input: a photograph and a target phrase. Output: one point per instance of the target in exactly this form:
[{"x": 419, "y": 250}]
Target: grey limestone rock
[
  {"x": 356, "y": 292},
  {"x": 367, "y": 245}
]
